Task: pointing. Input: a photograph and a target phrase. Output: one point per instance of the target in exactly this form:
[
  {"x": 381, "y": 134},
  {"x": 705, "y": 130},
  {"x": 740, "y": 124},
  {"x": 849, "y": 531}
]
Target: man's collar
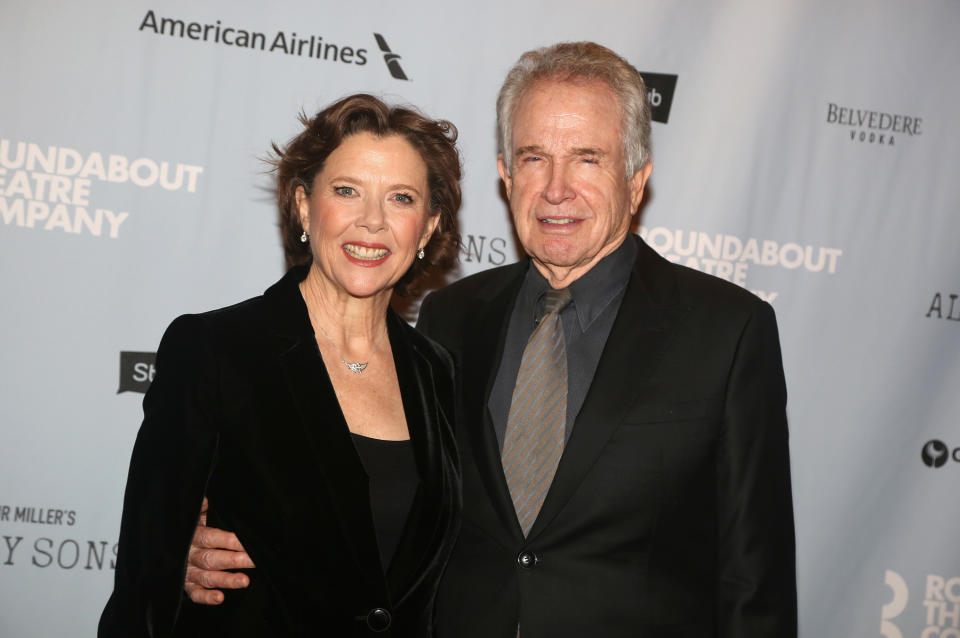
[{"x": 596, "y": 288}]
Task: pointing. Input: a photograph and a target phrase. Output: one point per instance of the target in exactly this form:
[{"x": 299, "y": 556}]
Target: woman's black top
[{"x": 393, "y": 482}]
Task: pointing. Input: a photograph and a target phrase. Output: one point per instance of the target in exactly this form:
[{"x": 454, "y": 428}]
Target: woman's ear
[{"x": 302, "y": 201}]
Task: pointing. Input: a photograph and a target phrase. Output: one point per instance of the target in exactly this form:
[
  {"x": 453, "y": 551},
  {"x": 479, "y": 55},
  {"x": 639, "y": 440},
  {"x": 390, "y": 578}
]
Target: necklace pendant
[{"x": 357, "y": 367}]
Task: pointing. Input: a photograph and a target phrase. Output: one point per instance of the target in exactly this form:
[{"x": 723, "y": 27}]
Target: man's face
[{"x": 570, "y": 196}]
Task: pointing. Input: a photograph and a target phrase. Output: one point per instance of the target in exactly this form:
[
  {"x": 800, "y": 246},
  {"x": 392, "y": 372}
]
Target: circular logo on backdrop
[{"x": 934, "y": 453}]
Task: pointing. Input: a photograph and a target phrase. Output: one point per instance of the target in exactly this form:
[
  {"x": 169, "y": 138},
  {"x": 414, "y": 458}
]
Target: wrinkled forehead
[{"x": 568, "y": 103}]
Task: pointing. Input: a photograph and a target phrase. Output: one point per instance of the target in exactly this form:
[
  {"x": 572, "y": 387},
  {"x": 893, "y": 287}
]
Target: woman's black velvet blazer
[{"x": 242, "y": 410}]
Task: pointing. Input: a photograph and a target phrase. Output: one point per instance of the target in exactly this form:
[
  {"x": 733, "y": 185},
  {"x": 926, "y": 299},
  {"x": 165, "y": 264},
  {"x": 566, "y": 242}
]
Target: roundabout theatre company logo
[
  {"x": 730, "y": 256},
  {"x": 941, "y": 607},
  {"x": 56, "y": 188}
]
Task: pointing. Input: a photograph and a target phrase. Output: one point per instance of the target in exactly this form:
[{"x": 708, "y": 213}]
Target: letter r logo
[{"x": 895, "y": 607}]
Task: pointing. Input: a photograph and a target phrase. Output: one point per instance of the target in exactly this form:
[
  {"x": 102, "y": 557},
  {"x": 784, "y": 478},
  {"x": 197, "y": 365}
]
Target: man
[{"x": 669, "y": 511}]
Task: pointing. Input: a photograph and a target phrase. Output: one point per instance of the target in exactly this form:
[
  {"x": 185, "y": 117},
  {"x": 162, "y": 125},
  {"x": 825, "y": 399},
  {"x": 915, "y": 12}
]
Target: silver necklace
[{"x": 355, "y": 367}]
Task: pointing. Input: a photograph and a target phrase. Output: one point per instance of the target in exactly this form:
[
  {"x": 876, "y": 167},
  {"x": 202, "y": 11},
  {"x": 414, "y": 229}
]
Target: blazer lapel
[
  {"x": 637, "y": 342},
  {"x": 418, "y": 390},
  {"x": 482, "y": 351},
  {"x": 331, "y": 451}
]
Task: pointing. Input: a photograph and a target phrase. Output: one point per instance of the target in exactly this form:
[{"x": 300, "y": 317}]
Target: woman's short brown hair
[{"x": 298, "y": 163}]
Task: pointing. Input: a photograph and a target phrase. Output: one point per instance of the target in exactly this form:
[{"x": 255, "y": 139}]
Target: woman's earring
[
  {"x": 303, "y": 237},
  {"x": 420, "y": 253}
]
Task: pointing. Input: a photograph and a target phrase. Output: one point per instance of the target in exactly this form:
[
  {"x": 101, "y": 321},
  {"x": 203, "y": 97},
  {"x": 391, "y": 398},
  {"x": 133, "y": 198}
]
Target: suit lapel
[
  {"x": 636, "y": 344},
  {"x": 420, "y": 405},
  {"x": 484, "y": 338},
  {"x": 330, "y": 449}
]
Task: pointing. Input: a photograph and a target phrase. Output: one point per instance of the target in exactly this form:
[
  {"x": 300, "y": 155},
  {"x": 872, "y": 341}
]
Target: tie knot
[{"x": 555, "y": 300}]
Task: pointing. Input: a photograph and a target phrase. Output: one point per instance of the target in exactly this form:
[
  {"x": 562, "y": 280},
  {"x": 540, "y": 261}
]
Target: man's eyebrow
[
  {"x": 531, "y": 149},
  {"x": 584, "y": 151}
]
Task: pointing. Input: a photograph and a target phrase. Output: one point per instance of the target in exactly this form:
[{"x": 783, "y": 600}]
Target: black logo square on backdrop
[
  {"x": 136, "y": 371},
  {"x": 660, "y": 88}
]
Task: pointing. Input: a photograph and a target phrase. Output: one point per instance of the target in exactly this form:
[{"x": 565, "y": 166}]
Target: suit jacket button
[
  {"x": 378, "y": 619},
  {"x": 527, "y": 559}
]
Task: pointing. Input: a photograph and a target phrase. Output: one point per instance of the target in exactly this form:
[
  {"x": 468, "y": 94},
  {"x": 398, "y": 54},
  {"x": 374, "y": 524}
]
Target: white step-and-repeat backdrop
[{"x": 808, "y": 151}]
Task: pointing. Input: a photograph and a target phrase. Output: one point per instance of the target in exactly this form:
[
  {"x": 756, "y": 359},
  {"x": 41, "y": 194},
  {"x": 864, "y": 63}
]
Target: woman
[{"x": 312, "y": 407}]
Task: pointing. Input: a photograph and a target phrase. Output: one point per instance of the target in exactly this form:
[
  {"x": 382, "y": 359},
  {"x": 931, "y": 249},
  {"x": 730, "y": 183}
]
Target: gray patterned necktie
[{"x": 533, "y": 441}]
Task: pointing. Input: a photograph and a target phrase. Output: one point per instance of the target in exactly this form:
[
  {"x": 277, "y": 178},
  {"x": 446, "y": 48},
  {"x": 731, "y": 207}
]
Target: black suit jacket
[
  {"x": 670, "y": 513},
  {"x": 242, "y": 410}
]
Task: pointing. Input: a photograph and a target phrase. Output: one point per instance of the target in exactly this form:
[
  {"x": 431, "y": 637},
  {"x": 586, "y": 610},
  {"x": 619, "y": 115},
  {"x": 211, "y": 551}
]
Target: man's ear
[
  {"x": 504, "y": 175},
  {"x": 637, "y": 183}
]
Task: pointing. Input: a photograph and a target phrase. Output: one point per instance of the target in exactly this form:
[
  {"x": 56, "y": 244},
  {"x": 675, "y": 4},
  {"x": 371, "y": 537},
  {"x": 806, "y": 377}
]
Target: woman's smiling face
[{"x": 367, "y": 213}]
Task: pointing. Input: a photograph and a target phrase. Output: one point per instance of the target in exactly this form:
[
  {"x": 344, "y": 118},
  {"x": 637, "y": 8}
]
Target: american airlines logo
[
  {"x": 391, "y": 59},
  {"x": 302, "y": 43}
]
